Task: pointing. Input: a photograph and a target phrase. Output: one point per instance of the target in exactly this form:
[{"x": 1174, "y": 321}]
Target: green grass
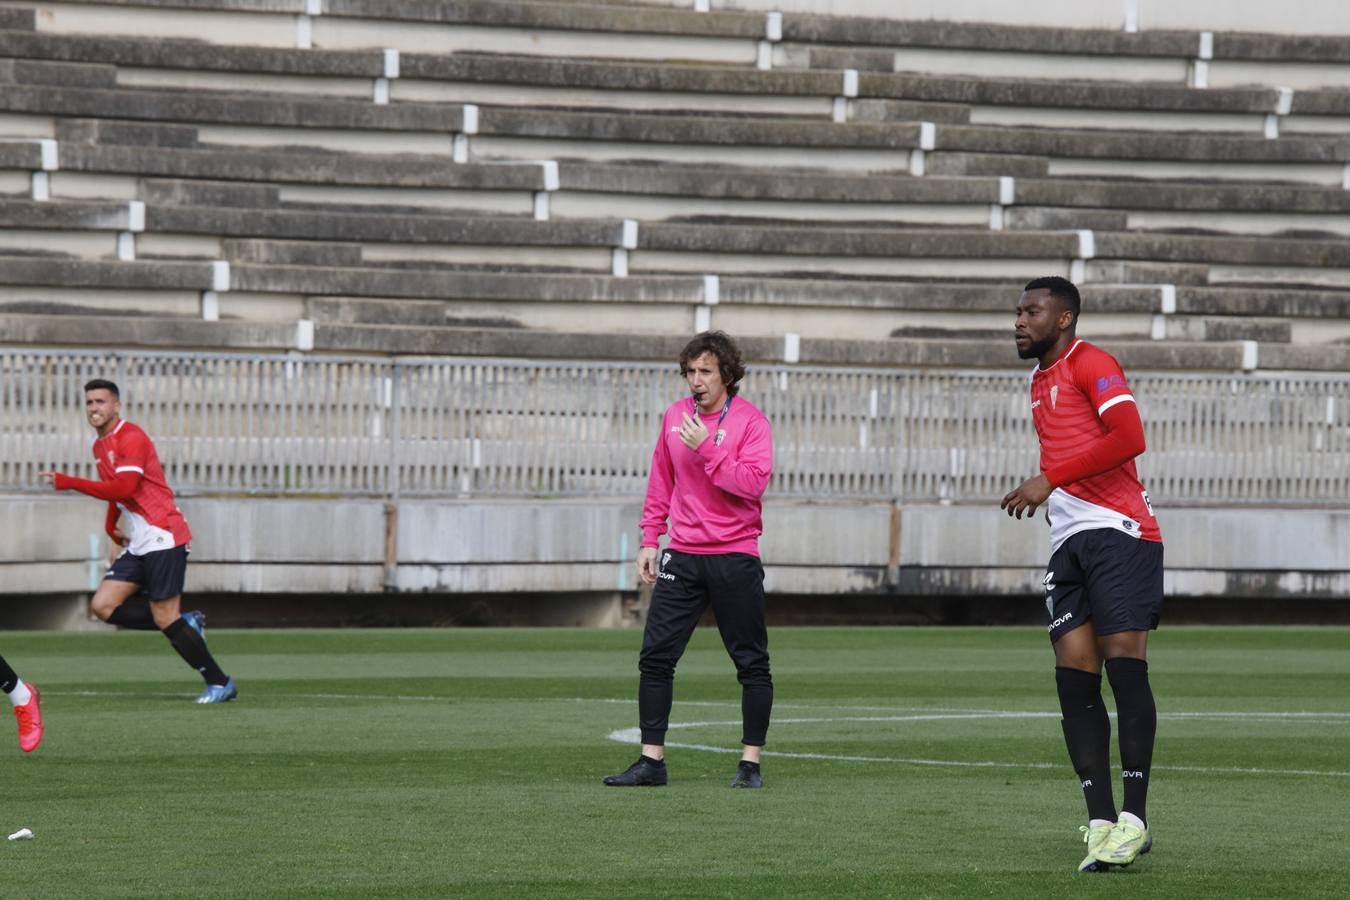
[{"x": 428, "y": 763}]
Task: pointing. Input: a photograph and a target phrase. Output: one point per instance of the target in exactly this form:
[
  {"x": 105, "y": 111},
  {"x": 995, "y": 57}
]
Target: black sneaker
[
  {"x": 643, "y": 773},
  {"x": 747, "y": 776}
]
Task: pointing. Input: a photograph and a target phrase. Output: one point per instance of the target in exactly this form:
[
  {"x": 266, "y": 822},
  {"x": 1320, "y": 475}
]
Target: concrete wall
[{"x": 52, "y": 545}]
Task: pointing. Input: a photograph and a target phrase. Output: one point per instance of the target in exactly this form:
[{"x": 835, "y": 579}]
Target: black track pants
[{"x": 687, "y": 583}]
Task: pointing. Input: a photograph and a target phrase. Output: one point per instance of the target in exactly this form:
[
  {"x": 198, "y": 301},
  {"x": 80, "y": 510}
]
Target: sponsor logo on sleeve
[{"x": 1110, "y": 383}]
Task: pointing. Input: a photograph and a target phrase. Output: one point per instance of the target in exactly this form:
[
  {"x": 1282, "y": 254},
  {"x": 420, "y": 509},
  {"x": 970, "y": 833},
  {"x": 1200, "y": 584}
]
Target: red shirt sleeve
[
  {"x": 110, "y": 522},
  {"x": 133, "y": 451},
  {"x": 1123, "y": 441},
  {"x": 120, "y": 488}
]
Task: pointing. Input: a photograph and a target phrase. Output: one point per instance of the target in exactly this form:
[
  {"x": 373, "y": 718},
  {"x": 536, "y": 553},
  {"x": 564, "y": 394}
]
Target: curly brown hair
[{"x": 720, "y": 345}]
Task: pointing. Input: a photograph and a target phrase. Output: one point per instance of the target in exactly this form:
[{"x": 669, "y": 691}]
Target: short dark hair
[
  {"x": 102, "y": 384},
  {"x": 720, "y": 345},
  {"x": 1061, "y": 289}
]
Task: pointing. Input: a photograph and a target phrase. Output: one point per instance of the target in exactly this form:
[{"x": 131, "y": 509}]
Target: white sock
[
  {"x": 1098, "y": 823},
  {"x": 1133, "y": 820},
  {"x": 21, "y": 694}
]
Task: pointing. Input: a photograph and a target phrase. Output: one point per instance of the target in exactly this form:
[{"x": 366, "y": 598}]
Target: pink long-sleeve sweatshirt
[{"x": 710, "y": 495}]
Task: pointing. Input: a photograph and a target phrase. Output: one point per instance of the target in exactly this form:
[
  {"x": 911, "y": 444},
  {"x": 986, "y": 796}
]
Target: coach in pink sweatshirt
[{"x": 711, "y": 466}]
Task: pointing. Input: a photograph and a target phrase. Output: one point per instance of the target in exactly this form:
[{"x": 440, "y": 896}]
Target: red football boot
[{"x": 30, "y": 722}]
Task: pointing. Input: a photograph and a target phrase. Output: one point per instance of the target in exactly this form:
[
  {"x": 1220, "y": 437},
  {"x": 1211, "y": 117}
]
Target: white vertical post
[
  {"x": 764, "y": 58},
  {"x": 702, "y": 319}
]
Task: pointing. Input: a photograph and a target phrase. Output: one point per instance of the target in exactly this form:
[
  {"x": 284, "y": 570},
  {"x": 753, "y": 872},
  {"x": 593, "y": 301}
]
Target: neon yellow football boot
[
  {"x": 1126, "y": 843},
  {"x": 1094, "y": 836}
]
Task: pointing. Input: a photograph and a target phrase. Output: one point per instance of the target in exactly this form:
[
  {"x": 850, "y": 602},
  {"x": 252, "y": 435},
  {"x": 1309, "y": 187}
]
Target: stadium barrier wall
[
  {"x": 311, "y": 475},
  {"x": 469, "y": 428}
]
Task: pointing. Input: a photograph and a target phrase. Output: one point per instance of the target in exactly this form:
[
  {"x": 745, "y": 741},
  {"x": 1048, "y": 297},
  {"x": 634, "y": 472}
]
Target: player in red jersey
[
  {"x": 1104, "y": 583},
  {"x": 154, "y": 558},
  {"x": 24, "y": 698}
]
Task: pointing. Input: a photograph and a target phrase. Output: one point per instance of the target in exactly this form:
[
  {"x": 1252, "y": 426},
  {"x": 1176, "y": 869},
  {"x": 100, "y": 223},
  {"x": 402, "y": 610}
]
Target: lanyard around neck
[{"x": 725, "y": 409}]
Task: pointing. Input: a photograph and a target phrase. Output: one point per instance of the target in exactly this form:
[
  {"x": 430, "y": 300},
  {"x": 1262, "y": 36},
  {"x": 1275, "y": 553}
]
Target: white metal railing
[{"x": 491, "y": 427}]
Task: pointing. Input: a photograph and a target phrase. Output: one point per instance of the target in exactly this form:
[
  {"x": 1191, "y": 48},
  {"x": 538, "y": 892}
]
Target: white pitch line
[
  {"x": 634, "y": 736},
  {"x": 299, "y": 696},
  {"x": 1329, "y": 715}
]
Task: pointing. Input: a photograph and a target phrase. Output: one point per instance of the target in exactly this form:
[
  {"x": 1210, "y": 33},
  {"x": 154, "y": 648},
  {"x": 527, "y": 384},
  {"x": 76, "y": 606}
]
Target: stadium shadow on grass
[{"x": 429, "y": 763}]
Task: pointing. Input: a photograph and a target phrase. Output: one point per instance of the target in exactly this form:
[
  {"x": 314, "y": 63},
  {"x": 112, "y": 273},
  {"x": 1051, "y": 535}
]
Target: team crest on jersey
[
  {"x": 1054, "y": 395},
  {"x": 111, "y": 461}
]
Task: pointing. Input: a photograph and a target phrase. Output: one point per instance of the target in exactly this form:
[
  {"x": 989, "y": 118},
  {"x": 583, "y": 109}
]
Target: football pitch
[{"x": 426, "y": 763}]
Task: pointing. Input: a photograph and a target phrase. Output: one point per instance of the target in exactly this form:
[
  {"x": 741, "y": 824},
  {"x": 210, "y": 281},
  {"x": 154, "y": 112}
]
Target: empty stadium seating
[{"x": 595, "y": 181}]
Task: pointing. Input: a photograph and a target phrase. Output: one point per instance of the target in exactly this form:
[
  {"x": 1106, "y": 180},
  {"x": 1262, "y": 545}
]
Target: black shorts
[
  {"x": 160, "y": 574},
  {"x": 1105, "y": 576}
]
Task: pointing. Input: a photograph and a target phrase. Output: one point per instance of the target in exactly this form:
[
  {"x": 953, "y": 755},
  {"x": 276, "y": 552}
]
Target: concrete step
[
  {"x": 1072, "y": 94},
  {"x": 543, "y": 28},
  {"x": 199, "y": 55},
  {"x": 1223, "y": 328},
  {"x": 300, "y": 166},
  {"x": 947, "y": 162},
  {"x": 885, "y": 242},
  {"x": 1213, "y": 250},
  {"x": 72, "y": 216},
  {"x": 383, "y": 228},
  {"x": 400, "y": 284},
  {"x": 324, "y": 254},
  {"x": 74, "y": 273},
  {"x": 1289, "y": 225},
  {"x": 679, "y": 129},
  {"x": 1145, "y": 145},
  {"x": 230, "y": 108},
  {"x": 20, "y": 154},
  {"x": 873, "y": 32},
  {"x": 61, "y": 74},
  {"x": 1132, "y": 271},
  {"x": 1208, "y": 197},
  {"x": 18, "y": 19},
  {"x": 1264, "y": 301},
  {"x": 907, "y": 111},
  {"x": 146, "y": 331},
  {"x": 512, "y": 134}
]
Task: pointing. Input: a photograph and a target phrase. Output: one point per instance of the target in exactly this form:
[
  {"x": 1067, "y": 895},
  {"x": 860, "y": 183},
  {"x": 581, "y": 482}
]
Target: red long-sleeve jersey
[
  {"x": 132, "y": 480},
  {"x": 1090, "y": 434}
]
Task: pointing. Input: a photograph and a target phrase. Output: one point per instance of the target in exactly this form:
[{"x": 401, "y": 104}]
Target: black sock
[
  {"x": 1087, "y": 734},
  {"x": 192, "y": 648},
  {"x": 655, "y": 762},
  {"x": 1137, "y": 722},
  {"x": 753, "y": 766},
  {"x": 9, "y": 679},
  {"x": 134, "y": 614}
]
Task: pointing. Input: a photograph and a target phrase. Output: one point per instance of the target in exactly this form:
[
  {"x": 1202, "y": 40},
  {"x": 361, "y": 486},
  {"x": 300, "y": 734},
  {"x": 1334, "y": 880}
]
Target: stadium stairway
[{"x": 326, "y": 176}]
